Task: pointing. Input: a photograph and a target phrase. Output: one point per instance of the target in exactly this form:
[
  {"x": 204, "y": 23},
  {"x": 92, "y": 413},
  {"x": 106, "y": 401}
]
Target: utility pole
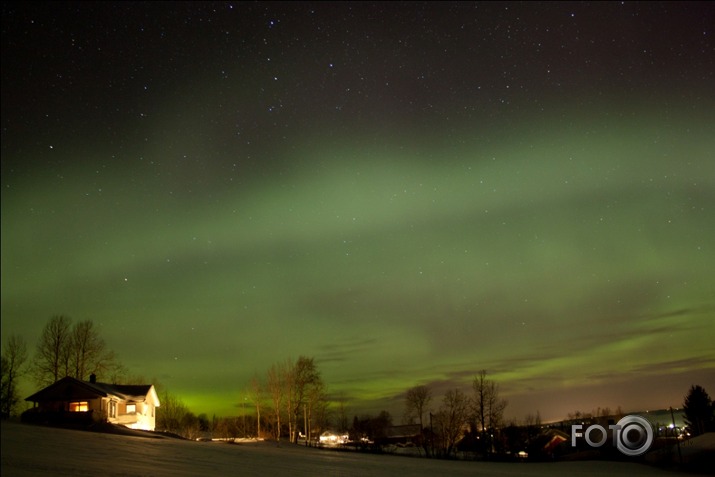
[
  {"x": 677, "y": 438},
  {"x": 305, "y": 425}
]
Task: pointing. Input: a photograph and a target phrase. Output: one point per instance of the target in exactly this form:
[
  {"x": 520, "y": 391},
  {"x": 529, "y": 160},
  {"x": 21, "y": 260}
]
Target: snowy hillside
[{"x": 31, "y": 451}]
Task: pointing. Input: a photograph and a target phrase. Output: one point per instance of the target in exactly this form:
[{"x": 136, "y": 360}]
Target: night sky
[{"x": 408, "y": 192}]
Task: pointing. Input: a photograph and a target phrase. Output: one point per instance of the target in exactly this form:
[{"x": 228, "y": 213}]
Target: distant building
[
  {"x": 333, "y": 438},
  {"x": 74, "y": 402}
]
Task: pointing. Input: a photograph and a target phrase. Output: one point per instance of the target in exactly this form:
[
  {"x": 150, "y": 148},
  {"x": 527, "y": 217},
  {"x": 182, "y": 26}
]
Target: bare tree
[
  {"x": 296, "y": 389},
  {"x": 316, "y": 405},
  {"x": 52, "y": 355},
  {"x": 304, "y": 375},
  {"x": 117, "y": 373},
  {"x": 532, "y": 420},
  {"x": 416, "y": 401},
  {"x": 451, "y": 420},
  {"x": 288, "y": 381},
  {"x": 14, "y": 355},
  {"x": 77, "y": 351},
  {"x": 256, "y": 393},
  {"x": 532, "y": 424},
  {"x": 274, "y": 382},
  {"x": 487, "y": 406},
  {"x": 88, "y": 353}
]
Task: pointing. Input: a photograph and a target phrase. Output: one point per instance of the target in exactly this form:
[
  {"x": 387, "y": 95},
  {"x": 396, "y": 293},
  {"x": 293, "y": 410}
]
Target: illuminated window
[
  {"x": 81, "y": 406},
  {"x": 131, "y": 408}
]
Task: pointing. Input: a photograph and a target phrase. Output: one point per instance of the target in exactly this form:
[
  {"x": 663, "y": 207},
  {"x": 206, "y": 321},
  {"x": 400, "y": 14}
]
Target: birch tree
[
  {"x": 256, "y": 393},
  {"x": 288, "y": 381},
  {"x": 276, "y": 390},
  {"x": 304, "y": 375},
  {"x": 51, "y": 361}
]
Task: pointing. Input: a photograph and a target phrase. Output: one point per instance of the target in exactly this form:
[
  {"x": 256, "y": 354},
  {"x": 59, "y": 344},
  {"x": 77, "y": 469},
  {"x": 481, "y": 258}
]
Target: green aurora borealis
[{"x": 566, "y": 246}]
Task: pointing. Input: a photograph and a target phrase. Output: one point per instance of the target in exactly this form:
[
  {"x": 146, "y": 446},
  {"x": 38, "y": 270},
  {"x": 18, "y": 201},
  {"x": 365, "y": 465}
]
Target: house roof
[
  {"x": 69, "y": 388},
  {"x": 128, "y": 392}
]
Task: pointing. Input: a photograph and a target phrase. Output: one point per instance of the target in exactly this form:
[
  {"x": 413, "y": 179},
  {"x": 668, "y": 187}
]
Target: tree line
[
  {"x": 477, "y": 417},
  {"x": 292, "y": 396},
  {"x": 63, "y": 349},
  {"x": 291, "y": 400}
]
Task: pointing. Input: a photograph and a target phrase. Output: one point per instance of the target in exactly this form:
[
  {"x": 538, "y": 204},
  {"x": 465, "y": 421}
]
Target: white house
[{"x": 71, "y": 401}]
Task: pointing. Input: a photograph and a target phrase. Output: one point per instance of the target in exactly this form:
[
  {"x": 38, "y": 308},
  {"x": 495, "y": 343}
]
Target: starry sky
[{"x": 408, "y": 192}]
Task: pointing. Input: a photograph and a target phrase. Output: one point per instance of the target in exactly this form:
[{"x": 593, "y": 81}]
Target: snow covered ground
[{"x": 31, "y": 451}]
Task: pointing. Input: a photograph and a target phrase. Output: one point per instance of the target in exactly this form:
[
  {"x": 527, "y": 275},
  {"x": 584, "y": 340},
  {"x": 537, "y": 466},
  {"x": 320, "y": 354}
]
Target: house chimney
[{"x": 92, "y": 378}]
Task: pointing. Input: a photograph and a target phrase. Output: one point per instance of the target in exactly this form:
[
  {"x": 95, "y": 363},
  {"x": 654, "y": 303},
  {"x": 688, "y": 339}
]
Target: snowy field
[{"x": 32, "y": 451}]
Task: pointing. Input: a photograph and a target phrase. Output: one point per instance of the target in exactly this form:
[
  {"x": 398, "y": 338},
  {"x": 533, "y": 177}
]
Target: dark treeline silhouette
[{"x": 699, "y": 411}]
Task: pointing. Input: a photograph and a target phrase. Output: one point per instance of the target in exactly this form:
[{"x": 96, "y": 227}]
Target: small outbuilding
[{"x": 75, "y": 402}]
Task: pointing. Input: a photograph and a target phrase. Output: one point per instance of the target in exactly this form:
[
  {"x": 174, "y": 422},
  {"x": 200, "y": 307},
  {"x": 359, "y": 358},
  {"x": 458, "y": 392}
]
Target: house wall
[
  {"x": 143, "y": 418},
  {"x": 52, "y": 406},
  {"x": 146, "y": 416},
  {"x": 58, "y": 412},
  {"x": 99, "y": 409},
  {"x": 93, "y": 405}
]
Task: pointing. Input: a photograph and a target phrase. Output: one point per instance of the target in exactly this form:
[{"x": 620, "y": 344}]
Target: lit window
[
  {"x": 81, "y": 406},
  {"x": 131, "y": 408}
]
